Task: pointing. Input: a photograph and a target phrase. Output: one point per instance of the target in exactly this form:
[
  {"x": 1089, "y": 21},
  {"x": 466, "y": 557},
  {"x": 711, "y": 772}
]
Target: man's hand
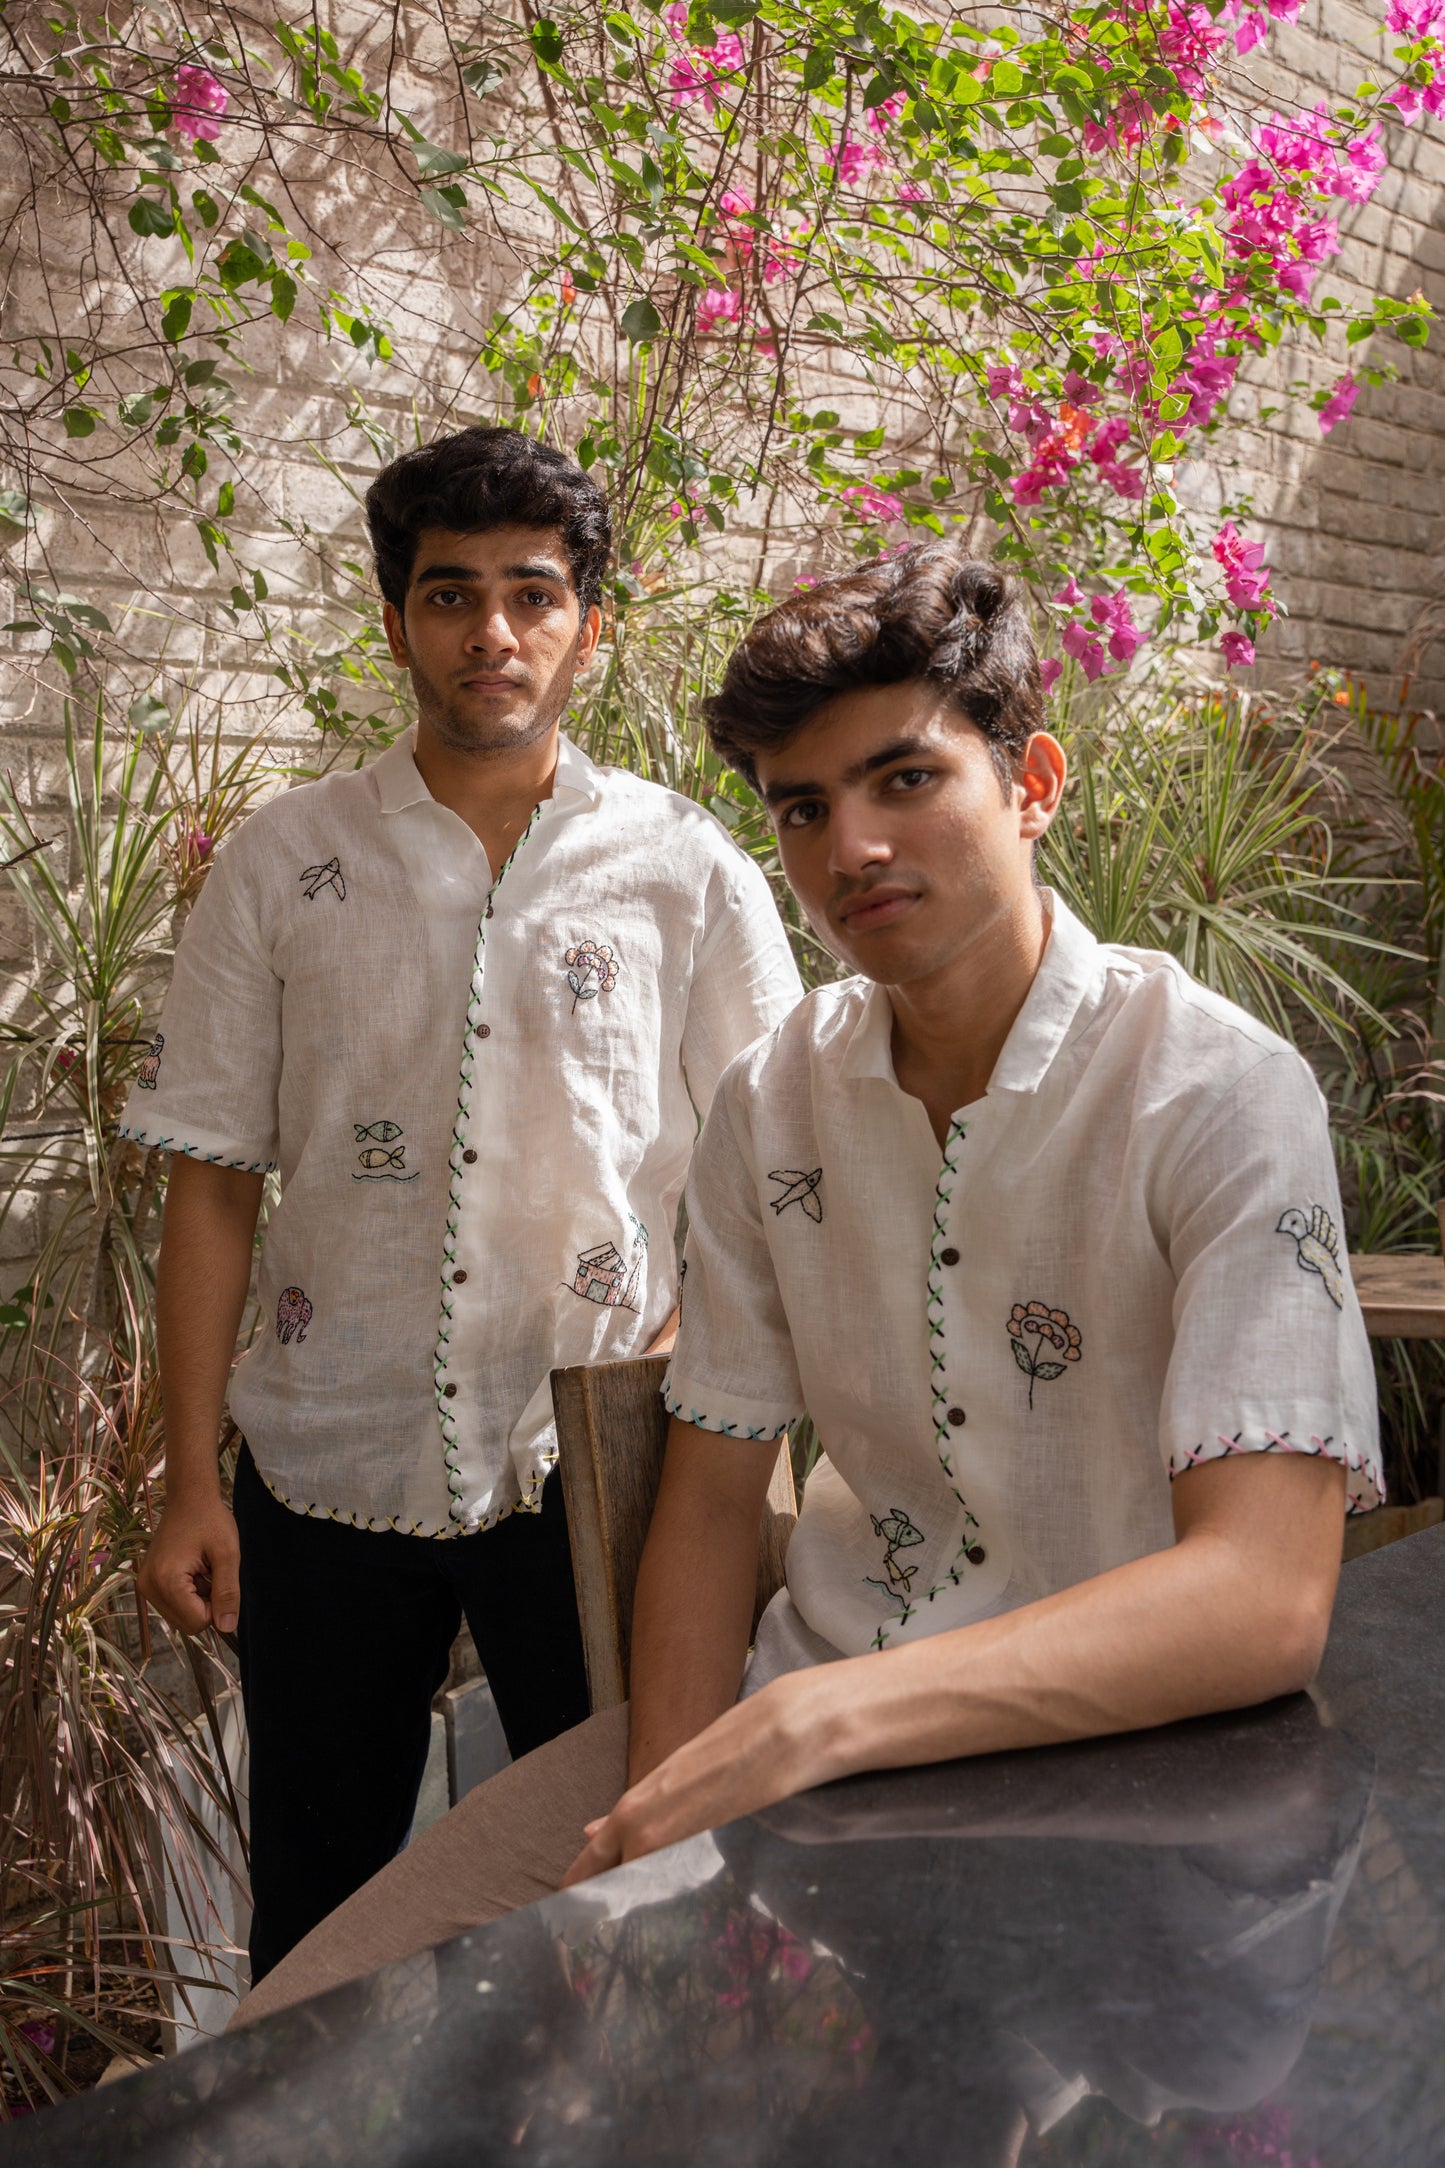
[
  {"x": 191, "y": 1573},
  {"x": 759, "y": 1752}
]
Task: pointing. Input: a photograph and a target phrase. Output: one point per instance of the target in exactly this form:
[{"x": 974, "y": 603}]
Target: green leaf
[
  {"x": 176, "y": 317},
  {"x": 80, "y": 421},
  {"x": 819, "y": 68},
  {"x": 225, "y": 500},
  {"x": 193, "y": 461},
  {"x": 447, "y": 204},
  {"x": 435, "y": 162},
  {"x": 283, "y": 295},
  {"x": 147, "y": 713},
  {"x": 640, "y": 321},
  {"x": 136, "y": 411},
  {"x": 149, "y": 217},
  {"x": 547, "y": 41}
]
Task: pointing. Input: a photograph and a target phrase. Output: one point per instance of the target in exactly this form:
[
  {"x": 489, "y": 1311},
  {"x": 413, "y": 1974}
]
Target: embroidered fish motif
[
  {"x": 315, "y": 878},
  {"x": 1317, "y": 1247},
  {"x": 150, "y": 1067},
  {"x": 377, "y": 1132},
  {"x": 376, "y": 1157},
  {"x": 798, "y": 1188}
]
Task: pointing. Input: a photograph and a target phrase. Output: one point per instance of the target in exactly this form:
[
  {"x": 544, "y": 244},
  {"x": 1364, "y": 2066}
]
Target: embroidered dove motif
[
  {"x": 1317, "y": 1244},
  {"x": 800, "y": 1186}
]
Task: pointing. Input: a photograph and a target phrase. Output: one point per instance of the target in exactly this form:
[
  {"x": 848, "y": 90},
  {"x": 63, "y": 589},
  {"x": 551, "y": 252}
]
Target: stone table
[{"x": 1220, "y": 1943}]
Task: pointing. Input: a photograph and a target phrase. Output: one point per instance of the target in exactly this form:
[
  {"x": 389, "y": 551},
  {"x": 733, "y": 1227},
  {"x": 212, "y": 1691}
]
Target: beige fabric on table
[{"x": 509, "y": 1842}]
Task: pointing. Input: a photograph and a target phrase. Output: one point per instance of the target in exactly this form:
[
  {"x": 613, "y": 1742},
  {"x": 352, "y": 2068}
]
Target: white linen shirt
[
  {"x": 1128, "y": 1262},
  {"x": 443, "y": 1240}
]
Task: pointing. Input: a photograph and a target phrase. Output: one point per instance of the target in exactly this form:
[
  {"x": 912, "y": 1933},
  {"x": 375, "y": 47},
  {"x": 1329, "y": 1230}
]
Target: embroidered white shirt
[
  {"x": 1126, "y": 1261},
  {"x": 443, "y": 1239}
]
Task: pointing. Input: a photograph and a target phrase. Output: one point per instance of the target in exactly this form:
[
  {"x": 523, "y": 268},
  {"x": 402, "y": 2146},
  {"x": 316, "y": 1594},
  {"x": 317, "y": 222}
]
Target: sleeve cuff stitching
[
  {"x": 725, "y": 1429},
  {"x": 193, "y": 1151}
]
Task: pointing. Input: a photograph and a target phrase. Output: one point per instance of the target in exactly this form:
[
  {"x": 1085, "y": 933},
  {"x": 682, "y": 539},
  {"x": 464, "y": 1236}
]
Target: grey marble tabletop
[{"x": 1221, "y": 1943}]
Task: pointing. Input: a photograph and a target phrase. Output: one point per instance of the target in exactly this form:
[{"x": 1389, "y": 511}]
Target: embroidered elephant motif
[{"x": 293, "y": 1315}]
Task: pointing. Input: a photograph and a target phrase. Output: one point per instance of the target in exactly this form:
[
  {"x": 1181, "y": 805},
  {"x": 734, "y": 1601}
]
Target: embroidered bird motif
[
  {"x": 315, "y": 878},
  {"x": 1317, "y": 1245},
  {"x": 799, "y": 1187}
]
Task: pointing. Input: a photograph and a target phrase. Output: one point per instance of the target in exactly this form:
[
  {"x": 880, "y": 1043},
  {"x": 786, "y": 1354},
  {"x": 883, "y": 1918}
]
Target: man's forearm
[
  {"x": 692, "y": 1611},
  {"x": 201, "y": 1284}
]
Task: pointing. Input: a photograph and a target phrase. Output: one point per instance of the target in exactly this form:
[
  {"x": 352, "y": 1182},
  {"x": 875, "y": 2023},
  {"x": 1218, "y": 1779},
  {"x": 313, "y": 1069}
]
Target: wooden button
[
  {"x": 975, "y": 1554},
  {"x": 484, "y": 1031},
  {"x": 948, "y": 1257},
  {"x": 956, "y": 1416},
  {"x": 449, "y": 1392},
  {"x": 470, "y": 1156},
  {"x": 489, "y": 911},
  {"x": 458, "y": 1277}
]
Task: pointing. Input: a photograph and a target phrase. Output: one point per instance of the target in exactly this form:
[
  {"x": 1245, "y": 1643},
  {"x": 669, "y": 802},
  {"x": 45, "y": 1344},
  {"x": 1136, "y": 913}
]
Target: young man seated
[{"x": 1045, "y": 1238}]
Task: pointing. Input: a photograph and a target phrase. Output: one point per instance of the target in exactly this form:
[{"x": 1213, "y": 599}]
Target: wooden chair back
[{"x": 611, "y": 1435}]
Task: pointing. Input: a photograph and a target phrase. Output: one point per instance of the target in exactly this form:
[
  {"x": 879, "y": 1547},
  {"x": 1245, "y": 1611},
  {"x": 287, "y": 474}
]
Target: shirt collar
[
  {"x": 1053, "y": 1001},
  {"x": 399, "y": 784}
]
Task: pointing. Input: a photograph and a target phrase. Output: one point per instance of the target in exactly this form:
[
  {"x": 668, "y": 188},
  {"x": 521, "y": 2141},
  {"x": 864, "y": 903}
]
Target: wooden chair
[{"x": 611, "y": 1433}]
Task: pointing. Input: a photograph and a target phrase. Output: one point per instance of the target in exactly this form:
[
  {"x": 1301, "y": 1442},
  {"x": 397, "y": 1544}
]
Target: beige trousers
[{"x": 506, "y": 1844}]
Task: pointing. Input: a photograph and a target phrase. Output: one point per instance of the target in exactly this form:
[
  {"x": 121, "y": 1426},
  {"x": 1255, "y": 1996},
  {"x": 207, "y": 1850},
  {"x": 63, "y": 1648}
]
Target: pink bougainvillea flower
[
  {"x": 868, "y": 501},
  {"x": 1408, "y": 100},
  {"x": 1070, "y": 592},
  {"x": 1112, "y": 614},
  {"x": 1077, "y": 641},
  {"x": 1337, "y": 407},
  {"x": 1097, "y": 138},
  {"x": 1050, "y": 671},
  {"x": 1124, "y": 481},
  {"x": 1415, "y": 19},
  {"x": 675, "y": 17},
  {"x": 1237, "y": 649},
  {"x": 1249, "y": 31},
  {"x": 912, "y": 192},
  {"x": 1108, "y": 439},
  {"x": 197, "y": 846},
  {"x": 719, "y": 305},
  {"x": 1079, "y": 391},
  {"x": 735, "y": 203},
  {"x": 854, "y": 159},
  {"x": 1005, "y": 380},
  {"x": 198, "y": 104},
  {"x": 1246, "y": 576},
  {"x": 881, "y": 117},
  {"x": 696, "y": 75}
]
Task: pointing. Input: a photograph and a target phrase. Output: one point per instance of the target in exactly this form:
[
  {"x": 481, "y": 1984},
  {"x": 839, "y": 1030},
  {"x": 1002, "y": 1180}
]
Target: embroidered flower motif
[
  {"x": 1035, "y": 1322},
  {"x": 592, "y": 969},
  {"x": 293, "y": 1315},
  {"x": 150, "y": 1067},
  {"x": 1317, "y": 1247}
]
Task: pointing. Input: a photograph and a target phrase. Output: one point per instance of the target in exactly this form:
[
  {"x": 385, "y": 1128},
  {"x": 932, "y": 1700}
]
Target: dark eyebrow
[
  {"x": 905, "y": 749},
  {"x": 469, "y": 575}
]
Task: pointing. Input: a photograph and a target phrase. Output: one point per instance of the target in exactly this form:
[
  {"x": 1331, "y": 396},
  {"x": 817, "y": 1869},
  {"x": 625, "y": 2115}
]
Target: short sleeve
[
  {"x": 209, "y": 1083},
  {"x": 744, "y": 980},
  {"x": 1270, "y": 1353},
  {"x": 733, "y": 1370}
]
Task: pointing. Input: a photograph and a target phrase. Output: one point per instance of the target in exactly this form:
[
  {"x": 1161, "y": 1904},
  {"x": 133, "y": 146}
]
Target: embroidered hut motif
[
  {"x": 1317, "y": 1247},
  {"x": 1036, "y": 1323},
  {"x": 377, "y": 1162},
  {"x": 592, "y": 969},
  {"x": 315, "y": 878},
  {"x": 293, "y": 1315},
  {"x": 798, "y": 1188},
  {"x": 899, "y": 1533},
  {"x": 150, "y": 1067}
]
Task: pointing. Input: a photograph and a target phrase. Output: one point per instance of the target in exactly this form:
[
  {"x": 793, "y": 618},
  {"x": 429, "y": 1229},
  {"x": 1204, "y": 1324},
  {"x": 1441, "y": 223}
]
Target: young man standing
[
  {"x": 1043, "y": 1235},
  {"x": 467, "y": 1000}
]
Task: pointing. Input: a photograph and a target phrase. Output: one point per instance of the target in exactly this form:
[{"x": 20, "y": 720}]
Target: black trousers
[{"x": 344, "y": 1638}]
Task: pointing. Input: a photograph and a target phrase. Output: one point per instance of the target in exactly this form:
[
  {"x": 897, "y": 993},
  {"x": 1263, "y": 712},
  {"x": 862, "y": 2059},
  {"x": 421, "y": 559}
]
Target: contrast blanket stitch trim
[
  {"x": 1280, "y": 1441},
  {"x": 377, "y": 1524},
  {"x": 193, "y": 1151},
  {"x": 724, "y": 1429},
  {"x": 455, "y": 1163}
]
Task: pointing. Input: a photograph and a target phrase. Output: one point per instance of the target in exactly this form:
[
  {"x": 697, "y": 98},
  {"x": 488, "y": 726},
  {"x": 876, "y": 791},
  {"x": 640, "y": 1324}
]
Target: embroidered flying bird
[
  {"x": 315, "y": 878},
  {"x": 798, "y": 1188},
  {"x": 377, "y": 1132},
  {"x": 1317, "y": 1245}
]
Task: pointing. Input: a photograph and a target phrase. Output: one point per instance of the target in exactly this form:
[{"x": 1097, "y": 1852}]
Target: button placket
[
  {"x": 463, "y": 1155},
  {"x": 948, "y": 1415}
]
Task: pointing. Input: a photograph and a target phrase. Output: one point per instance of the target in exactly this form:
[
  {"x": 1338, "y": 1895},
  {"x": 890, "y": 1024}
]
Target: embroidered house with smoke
[{"x": 603, "y": 1276}]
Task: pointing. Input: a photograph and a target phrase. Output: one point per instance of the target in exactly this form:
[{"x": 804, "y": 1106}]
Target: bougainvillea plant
[{"x": 774, "y": 268}]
